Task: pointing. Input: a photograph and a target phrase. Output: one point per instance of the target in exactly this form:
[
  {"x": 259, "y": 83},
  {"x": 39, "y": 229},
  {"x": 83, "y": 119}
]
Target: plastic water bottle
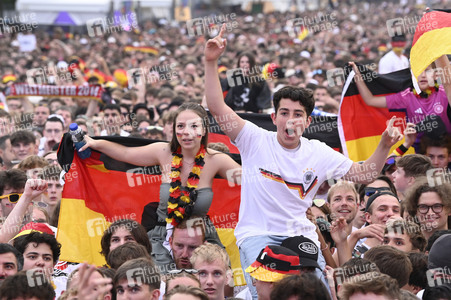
[{"x": 78, "y": 139}]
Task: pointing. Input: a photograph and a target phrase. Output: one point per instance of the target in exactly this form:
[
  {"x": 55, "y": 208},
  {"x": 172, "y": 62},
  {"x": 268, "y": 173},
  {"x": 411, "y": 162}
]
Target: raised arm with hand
[
  {"x": 223, "y": 114},
  {"x": 410, "y": 134},
  {"x": 366, "y": 94},
  {"x": 86, "y": 288},
  {"x": 443, "y": 65},
  {"x": 13, "y": 223},
  {"x": 339, "y": 232},
  {"x": 368, "y": 171},
  {"x": 141, "y": 156}
]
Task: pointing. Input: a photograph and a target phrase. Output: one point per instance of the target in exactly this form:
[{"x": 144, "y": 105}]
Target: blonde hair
[
  {"x": 209, "y": 253},
  {"x": 342, "y": 184}
]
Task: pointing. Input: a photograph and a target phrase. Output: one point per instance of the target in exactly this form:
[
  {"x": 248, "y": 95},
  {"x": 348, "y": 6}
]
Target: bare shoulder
[
  {"x": 161, "y": 146},
  {"x": 160, "y": 150},
  {"x": 218, "y": 157},
  {"x": 214, "y": 154}
]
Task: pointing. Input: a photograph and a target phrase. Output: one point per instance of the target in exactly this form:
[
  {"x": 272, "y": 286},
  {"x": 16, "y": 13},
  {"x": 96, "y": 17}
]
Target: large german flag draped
[
  {"x": 431, "y": 40},
  {"x": 100, "y": 190},
  {"x": 360, "y": 126}
]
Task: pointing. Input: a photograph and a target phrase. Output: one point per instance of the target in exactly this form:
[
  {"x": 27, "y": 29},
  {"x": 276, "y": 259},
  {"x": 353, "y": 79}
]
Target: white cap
[
  {"x": 62, "y": 65},
  {"x": 305, "y": 53},
  {"x": 290, "y": 72}
]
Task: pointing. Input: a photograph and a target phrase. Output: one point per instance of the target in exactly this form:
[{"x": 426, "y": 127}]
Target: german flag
[
  {"x": 102, "y": 77},
  {"x": 303, "y": 33},
  {"x": 100, "y": 190},
  {"x": 150, "y": 50},
  {"x": 431, "y": 40},
  {"x": 360, "y": 126}
]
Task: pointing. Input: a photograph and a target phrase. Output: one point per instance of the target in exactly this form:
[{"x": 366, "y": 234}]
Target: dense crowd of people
[{"x": 378, "y": 228}]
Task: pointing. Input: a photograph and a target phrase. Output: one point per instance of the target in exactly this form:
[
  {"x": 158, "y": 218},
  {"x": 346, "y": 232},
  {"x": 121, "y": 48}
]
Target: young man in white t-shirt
[{"x": 281, "y": 170}]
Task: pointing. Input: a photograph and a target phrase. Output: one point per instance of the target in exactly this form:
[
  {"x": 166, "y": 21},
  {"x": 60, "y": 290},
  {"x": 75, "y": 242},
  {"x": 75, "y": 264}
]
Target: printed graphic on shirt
[{"x": 308, "y": 179}]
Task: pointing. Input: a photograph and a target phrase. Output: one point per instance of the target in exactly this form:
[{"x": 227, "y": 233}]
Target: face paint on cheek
[
  {"x": 196, "y": 133},
  {"x": 178, "y": 134}
]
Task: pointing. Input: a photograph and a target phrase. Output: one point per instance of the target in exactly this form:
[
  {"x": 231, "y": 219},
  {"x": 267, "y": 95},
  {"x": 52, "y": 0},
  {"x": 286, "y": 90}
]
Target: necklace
[
  {"x": 425, "y": 94},
  {"x": 181, "y": 203}
]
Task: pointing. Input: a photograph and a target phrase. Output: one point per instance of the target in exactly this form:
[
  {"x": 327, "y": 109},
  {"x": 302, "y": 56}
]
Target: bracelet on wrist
[{"x": 400, "y": 150}]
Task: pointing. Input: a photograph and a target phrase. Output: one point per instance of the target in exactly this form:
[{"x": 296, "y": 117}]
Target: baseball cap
[
  {"x": 439, "y": 255},
  {"x": 222, "y": 68},
  {"x": 290, "y": 72},
  {"x": 34, "y": 227},
  {"x": 305, "y": 248},
  {"x": 8, "y": 78},
  {"x": 274, "y": 263}
]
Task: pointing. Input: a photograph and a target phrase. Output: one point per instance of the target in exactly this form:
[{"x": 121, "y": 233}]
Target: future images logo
[
  {"x": 438, "y": 176},
  {"x": 18, "y": 23},
  {"x": 408, "y": 24},
  {"x": 311, "y": 24},
  {"x": 37, "y": 277},
  {"x": 141, "y": 76},
  {"x": 338, "y": 76},
  {"x": 195, "y": 227},
  {"x": 240, "y": 76},
  {"x": 210, "y": 24},
  {"x": 100, "y": 26},
  {"x": 140, "y": 276}
]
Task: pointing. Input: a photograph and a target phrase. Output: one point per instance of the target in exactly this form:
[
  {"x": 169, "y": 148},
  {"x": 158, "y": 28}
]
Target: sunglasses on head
[
  {"x": 40, "y": 204},
  {"x": 13, "y": 198},
  {"x": 369, "y": 191},
  {"x": 319, "y": 202},
  {"x": 390, "y": 161},
  {"x": 189, "y": 271}
]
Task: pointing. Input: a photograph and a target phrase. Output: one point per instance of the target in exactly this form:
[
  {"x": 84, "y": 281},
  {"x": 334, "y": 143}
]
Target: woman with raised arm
[{"x": 187, "y": 167}]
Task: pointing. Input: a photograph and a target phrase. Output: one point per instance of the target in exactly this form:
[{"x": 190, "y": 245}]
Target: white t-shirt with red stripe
[{"x": 278, "y": 184}]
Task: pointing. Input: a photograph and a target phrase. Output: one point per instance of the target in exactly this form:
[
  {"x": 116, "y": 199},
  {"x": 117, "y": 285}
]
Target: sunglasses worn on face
[{"x": 13, "y": 198}]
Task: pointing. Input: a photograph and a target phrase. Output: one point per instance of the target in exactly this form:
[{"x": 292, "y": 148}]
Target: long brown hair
[
  {"x": 252, "y": 68},
  {"x": 136, "y": 229},
  {"x": 201, "y": 112}
]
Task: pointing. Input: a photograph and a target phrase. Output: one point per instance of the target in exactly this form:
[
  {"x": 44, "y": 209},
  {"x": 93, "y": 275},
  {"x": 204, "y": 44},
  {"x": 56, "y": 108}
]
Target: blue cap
[{"x": 73, "y": 126}]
